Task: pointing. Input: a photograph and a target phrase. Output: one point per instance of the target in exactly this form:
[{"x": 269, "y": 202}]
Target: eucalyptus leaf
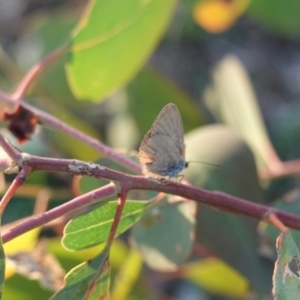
[
  {"x": 164, "y": 236},
  {"x": 111, "y": 43},
  {"x": 286, "y": 279},
  {"x": 95, "y": 273},
  {"x": 93, "y": 227},
  {"x": 230, "y": 237}
]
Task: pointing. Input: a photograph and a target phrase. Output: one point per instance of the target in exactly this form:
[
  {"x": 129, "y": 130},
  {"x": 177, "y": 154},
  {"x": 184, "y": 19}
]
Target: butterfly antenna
[{"x": 205, "y": 163}]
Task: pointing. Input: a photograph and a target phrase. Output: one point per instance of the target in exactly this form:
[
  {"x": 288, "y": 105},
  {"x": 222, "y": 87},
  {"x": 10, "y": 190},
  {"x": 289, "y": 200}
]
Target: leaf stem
[
  {"x": 33, "y": 73},
  {"x": 117, "y": 218}
]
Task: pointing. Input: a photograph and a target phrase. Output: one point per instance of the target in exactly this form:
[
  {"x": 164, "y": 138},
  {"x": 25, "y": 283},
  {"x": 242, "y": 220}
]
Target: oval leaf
[
  {"x": 228, "y": 236},
  {"x": 236, "y": 104},
  {"x": 93, "y": 227},
  {"x": 112, "y": 42},
  {"x": 164, "y": 236},
  {"x": 286, "y": 273},
  {"x": 94, "y": 272},
  {"x": 152, "y": 91}
]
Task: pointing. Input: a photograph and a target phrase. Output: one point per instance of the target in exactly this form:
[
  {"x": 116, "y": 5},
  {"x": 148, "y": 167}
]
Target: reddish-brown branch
[
  {"x": 127, "y": 182},
  {"x": 113, "y": 230},
  {"x": 275, "y": 167},
  {"x": 273, "y": 219},
  {"x": 65, "y": 128},
  {"x": 17, "y": 182},
  {"x": 73, "y": 205},
  {"x": 10, "y": 150},
  {"x": 117, "y": 218},
  {"x": 215, "y": 199},
  {"x": 280, "y": 170},
  {"x": 34, "y": 72}
]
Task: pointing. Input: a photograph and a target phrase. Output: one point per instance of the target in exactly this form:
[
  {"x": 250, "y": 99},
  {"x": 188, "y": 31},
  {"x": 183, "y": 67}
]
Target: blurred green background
[{"x": 233, "y": 69}]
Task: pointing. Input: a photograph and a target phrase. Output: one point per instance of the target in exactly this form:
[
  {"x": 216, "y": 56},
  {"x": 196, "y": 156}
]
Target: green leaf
[
  {"x": 52, "y": 29},
  {"x": 94, "y": 272},
  {"x": 49, "y": 31},
  {"x": 152, "y": 92},
  {"x": 216, "y": 277},
  {"x": 112, "y": 42},
  {"x": 21, "y": 288},
  {"x": 220, "y": 145},
  {"x": 128, "y": 276},
  {"x": 281, "y": 17},
  {"x": 46, "y": 32},
  {"x": 286, "y": 273},
  {"x": 52, "y": 92},
  {"x": 233, "y": 100},
  {"x": 164, "y": 236},
  {"x": 230, "y": 237},
  {"x": 93, "y": 227}
]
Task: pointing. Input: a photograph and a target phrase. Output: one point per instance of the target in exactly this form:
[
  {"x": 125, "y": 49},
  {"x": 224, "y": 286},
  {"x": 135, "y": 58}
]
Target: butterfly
[{"x": 162, "y": 151}]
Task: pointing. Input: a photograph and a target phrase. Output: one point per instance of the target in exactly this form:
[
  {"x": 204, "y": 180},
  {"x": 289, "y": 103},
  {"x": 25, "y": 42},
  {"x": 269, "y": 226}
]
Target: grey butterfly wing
[
  {"x": 162, "y": 150},
  {"x": 169, "y": 123}
]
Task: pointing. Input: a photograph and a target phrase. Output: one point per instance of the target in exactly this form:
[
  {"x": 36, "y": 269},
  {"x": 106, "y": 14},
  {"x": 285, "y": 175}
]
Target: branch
[
  {"x": 14, "y": 154},
  {"x": 17, "y": 182},
  {"x": 280, "y": 170},
  {"x": 121, "y": 202},
  {"x": 34, "y": 72},
  {"x": 63, "y": 127},
  {"x": 218, "y": 200},
  {"x": 73, "y": 205}
]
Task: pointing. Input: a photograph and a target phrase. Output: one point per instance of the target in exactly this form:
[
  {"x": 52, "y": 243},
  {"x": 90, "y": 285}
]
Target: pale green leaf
[
  {"x": 93, "y": 227},
  {"x": 164, "y": 236},
  {"x": 286, "y": 281},
  {"x": 113, "y": 40},
  {"x": 89, "y": 280}
]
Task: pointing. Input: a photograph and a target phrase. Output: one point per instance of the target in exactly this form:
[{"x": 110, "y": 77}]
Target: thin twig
[
  {"x": 117, "y": 218},
  {"x": 73, "y": 205},
  {"x": 65, "y": 128},
  {"x": 34, "y": 72},
  {"x": 113, "y": 230},
  {"x": 17, "y": 182},
  {"x": 273, "y": 219},
  {"x": 10, "y": 150},
  {"x": 280, "y": 170}
]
